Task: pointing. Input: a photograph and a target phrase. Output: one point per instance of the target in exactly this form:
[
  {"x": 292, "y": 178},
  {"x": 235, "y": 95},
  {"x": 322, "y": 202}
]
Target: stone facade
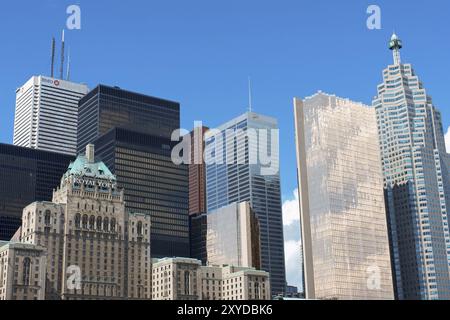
[
  {"x": 22, "y": 271},
  {"x": 187, "y": 279},
  {"x": 95, "y": 248}
]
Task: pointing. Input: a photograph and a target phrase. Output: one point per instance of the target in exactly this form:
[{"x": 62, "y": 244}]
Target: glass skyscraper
[
  {"x": 232, "y": 177},
  {"x": 26, "y": 175},
  {"x": 232, "y": 237},
  {"x": 415, "y": 167},
  {"x": 343, "y": 218},
  {"x": 132, "y": 133},
  {"x": 153, "y": 185},
  {"x": 105, "y": 108}
]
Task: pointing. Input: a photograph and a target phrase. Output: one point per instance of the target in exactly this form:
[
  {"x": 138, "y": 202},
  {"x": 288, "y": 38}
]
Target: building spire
[{"x": 396, "y": 45}]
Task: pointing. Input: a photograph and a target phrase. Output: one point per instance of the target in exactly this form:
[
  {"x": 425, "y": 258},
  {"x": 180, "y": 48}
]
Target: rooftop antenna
[
  {"x": 396, "y": 45},
  {"x": 68, "y": 66},
  {"x": 62, "y": 57},
  {"x": 250, "y": 106},
  {"x": 52, "y": 71}
]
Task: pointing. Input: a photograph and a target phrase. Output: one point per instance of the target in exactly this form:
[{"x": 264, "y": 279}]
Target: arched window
[
  {"x": 85, "y": 221},
  {"x": 99, "y": 223},
  {"x": 113, "y": 225},
  {"x": 92, "y": 223},
  {"x": 257, "y": 290},
  {"x": 47, "y": 217},
  {"x": 106, "y": 224},
  {"x": 139, "y": 228},
  {"x": 26, "y": 271},
  {"x": 77, "y": 220},
  {"x": 187, "y": 283}
]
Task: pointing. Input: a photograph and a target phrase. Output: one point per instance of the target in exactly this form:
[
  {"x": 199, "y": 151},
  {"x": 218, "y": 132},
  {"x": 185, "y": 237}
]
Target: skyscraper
[
  {"x": 197, "y": 172},
  {"x": 153, "y": 184},
  {"x": 343, "y": 217},
  {"x": 132, "y": 133},
  {"x": 242, "y": 162},
  {"x": 232, "y": 236},
  {"x": 105, "y": 108},
  {"x": 47, "y": 114},
  {"x": 197, "y": 195},
  {"x": 416, "y": 181},
  {"x": 26, "y": 175}
]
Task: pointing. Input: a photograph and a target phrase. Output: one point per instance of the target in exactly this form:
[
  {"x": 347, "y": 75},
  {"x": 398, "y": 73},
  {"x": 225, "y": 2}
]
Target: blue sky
[{"x": 201, "y": 52}]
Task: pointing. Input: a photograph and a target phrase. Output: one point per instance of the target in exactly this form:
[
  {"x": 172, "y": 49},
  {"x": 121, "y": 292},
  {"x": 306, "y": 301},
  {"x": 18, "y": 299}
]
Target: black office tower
[
  {"x": 132, "y": 134},
  {"x": 105, "y": 108},
  {"x": 26, "y": 176},
  {"x": 198, "y": 228},
  {"x": 153, "y": 185}
]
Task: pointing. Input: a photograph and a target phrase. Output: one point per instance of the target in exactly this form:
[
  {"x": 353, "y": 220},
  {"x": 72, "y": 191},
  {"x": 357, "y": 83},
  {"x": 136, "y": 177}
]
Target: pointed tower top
[{"x": 395, "y": 45}]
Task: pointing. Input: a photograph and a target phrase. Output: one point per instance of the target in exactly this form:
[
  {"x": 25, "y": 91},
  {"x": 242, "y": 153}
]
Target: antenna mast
[
  {"x": 68, "y": 66},
  {"x": 62, "y": 57},
  {"x": 52, "y": 71}
]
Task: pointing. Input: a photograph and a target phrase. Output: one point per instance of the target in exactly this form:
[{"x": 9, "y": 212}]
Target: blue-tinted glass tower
[{"x": 232, "y": 176}]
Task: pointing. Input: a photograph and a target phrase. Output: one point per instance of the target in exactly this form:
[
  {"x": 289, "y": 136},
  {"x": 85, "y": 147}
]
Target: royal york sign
[{"x": 94, "y": 183}]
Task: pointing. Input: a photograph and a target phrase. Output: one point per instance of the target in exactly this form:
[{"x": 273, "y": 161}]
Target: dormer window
[{"x": 101, "y": 172}]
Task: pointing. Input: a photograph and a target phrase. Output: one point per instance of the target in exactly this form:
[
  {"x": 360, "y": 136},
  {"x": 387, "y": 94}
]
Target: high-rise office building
[
  {"x": 87, "y": 232},
  {"x": 197, "y": 195},
  {"x": 197, "y": 172},
  {"x": 105, "y": 108},
  {"x": 343, "y": 217},
  {"x": 238, "y": 171},
  {"x": 26, "y": 175},
  {"x": 416, "y": 181},
  {"x": 47, "y": 114},
  {"x": 198, "y": 224},
  {"x": 132, "y": 133},
  {"x": 153, "y": 185},
  {"x": 232, "y": 236}
]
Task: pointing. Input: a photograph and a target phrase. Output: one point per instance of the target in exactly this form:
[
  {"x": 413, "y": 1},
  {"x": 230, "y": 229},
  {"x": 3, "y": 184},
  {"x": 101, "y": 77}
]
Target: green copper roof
[{"x": 82, "y": 168}]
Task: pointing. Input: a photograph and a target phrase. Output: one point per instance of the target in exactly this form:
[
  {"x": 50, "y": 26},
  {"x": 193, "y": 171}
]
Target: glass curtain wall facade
[
  {"x": 197, "y": 172},
  {"x": 153, "y": 185},
  {"x": 105, "y": 108},
  {"x": 343, "y": 217},
  {"x": 234, "y": 179},
  {"x": 416, "y": 180},
  {"x": 26, "y": 175},
  {"x": 232, "y": 237},
  {"x": 198, "y": 231}
]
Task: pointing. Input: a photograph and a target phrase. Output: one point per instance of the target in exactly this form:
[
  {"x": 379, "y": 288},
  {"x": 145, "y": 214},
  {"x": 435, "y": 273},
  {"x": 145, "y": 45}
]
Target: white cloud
[
  {"x": 291, "y": 210},
  {"x": 291, "y": 222},
  {"x": 447, "y": 140},
  {"x": 293, "y": 263}
]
